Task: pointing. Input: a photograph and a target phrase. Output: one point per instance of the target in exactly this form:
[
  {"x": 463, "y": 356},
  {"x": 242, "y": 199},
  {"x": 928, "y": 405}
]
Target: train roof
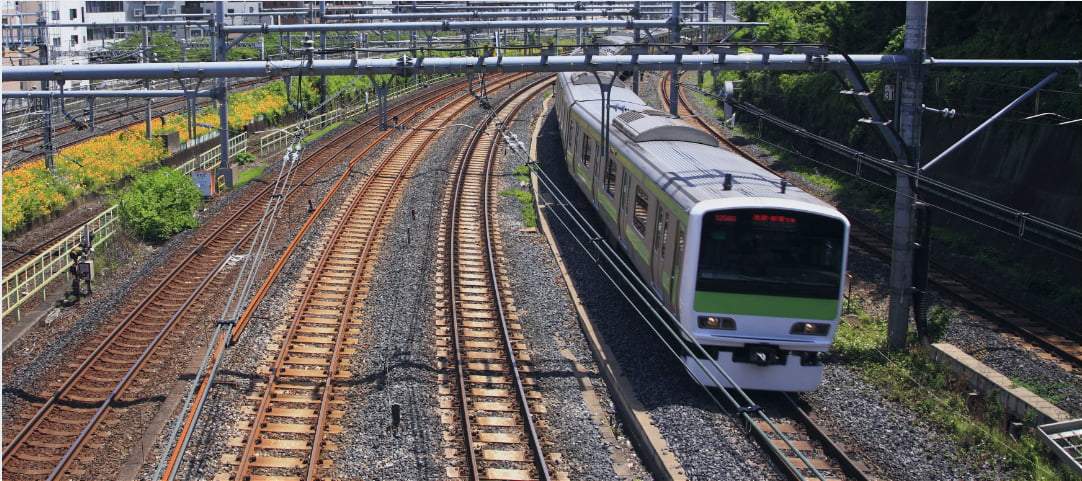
[
  {"x": 692, "y": 173},
  {"x": 651, "y": 125},
  {"x": 680, "y": 158}
]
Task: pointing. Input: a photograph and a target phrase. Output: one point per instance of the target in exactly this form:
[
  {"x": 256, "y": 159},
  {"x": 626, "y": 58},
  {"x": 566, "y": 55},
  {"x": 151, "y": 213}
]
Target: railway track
[
  {"x": 288, "y": 434},
  {"x": 1037, "y": 332},
  {"x": 52, "y": 442},
  {"x": 822, "y": 458},
  {"x": 486, "y": 395}
]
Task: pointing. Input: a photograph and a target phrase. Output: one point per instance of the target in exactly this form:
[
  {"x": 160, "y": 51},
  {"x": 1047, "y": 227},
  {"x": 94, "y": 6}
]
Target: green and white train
[{"x": 753, "y": 269}]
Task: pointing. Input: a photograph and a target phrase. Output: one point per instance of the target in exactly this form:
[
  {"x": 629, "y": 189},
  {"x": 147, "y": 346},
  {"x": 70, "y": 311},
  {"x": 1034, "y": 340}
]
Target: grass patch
[
  {"x": 526, "y": 200},
  {"x": 312, "y": 137},
  {"x": 247, "y": 175},
  {"x": 912, "y": 379}
]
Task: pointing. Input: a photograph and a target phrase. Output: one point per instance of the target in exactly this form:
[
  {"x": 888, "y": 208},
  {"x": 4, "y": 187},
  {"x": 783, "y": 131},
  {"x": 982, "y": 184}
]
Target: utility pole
[
  {"x": 46, "y": 102},
  {"x": 674, "y": 75},
  {"x": 909, "y": 125},
  {"x": 322, "y": 56},
  {"x": 144, "y": 57},
  {"x": 223, "y": 97}
]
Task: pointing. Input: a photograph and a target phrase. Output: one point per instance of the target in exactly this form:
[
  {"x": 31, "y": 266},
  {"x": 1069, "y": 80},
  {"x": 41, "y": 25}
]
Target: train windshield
[{"x": 771, "y": 252}]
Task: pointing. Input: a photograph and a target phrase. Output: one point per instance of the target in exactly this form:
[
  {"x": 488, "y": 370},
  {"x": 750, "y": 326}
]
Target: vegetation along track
[
  {"x": 116, "y": 372},
  {"x": 485, "y": 388},
  {"x": 20, "y": 151},
  {"x": 1041, "y": 334},
  {"x": 290, "y": 425}
]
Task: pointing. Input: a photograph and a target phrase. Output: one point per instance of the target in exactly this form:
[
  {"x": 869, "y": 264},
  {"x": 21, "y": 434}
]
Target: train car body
[{"x": 752, "y": 268}]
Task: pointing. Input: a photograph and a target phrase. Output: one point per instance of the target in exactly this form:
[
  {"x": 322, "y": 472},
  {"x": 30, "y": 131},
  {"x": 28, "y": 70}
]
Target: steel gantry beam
[
  {"x": 408, "y": 66},
  {"x": 454, "y": 25},
  {"x": 354, "y": 17}
]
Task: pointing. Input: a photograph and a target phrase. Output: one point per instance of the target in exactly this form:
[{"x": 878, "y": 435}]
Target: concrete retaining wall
[{"x": 1016, "y": 399}]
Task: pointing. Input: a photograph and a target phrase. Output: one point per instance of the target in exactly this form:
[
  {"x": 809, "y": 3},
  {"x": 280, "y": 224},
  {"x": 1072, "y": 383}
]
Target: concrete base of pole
[{"x": 226, "y": 176}]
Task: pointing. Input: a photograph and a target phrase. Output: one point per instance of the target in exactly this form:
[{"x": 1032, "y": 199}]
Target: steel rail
[
  {"x": 524, "y": 406},
  {"x": 386, "y": 195},
  {"x": 508, "y": 348},
  {"x": 854, "y": 470},
  {"x": 14, "y": 445},
  {"x": 238, "y": 327},
  {"x": 265, "y": 288},
  {"x": 129, "y": 321},
  {"x": 278, "y": 372}
]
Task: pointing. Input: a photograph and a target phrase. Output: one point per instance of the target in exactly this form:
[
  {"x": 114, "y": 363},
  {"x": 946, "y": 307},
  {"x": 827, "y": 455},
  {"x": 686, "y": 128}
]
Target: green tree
[
  {"x": 163, "y": 48},
  {"x": 159, "y": 204}
]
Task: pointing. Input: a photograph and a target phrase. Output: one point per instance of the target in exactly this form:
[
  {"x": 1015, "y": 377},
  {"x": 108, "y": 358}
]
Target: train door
[
  {"x": 658, "y": 259},
  {"x": 572, "y": 140},
  {"x": 585, "y": 163},
  {"x": 607, "y": 198},
  {"x": 625, "y": 202},
  {"x": 675, "y": 261}
]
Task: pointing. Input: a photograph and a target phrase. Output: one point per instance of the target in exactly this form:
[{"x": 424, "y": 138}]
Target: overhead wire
[{"x": 1058, "y": 234}]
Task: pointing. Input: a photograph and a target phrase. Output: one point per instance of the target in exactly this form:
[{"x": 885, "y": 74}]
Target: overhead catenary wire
[
  {"x": 168, "y": 465},
  {"x": 1066, "y": 238}
]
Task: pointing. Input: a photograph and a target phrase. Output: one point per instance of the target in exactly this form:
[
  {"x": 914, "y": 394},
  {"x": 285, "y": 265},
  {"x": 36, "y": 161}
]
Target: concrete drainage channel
[{"x": 1056, "y": 429}]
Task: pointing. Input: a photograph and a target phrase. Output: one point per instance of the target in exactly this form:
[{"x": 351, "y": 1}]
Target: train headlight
[
  {"x": 810, "y": 329},
  {"x": 717, "y": 322}
]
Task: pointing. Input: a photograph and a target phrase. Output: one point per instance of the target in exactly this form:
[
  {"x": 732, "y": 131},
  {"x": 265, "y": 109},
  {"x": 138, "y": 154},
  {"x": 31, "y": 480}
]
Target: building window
[
  {"x": 73, "y": 14},
  {"x": 55, "y": 15},
  {"x": 104, "y": 7},
  {"x": 56, "y": 41},
  {"x": 74, "y": 40}
]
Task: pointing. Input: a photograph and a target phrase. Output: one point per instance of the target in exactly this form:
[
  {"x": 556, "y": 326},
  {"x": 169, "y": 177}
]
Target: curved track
[
  {"x": 49, "y": 445},
  {"x": 291, "y": 424},
  {"x": 488, "y": 392}
]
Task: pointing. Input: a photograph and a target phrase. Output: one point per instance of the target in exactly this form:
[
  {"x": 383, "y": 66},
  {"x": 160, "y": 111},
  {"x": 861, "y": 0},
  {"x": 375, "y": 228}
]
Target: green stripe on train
[{"x": 770, "y": 306}]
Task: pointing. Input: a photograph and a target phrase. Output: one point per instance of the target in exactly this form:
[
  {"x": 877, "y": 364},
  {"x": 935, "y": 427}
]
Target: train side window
[
  {"x": 585, "y": 159},
  {"x": 610, "y": 176},
  {"x": 642, "y": 210}
]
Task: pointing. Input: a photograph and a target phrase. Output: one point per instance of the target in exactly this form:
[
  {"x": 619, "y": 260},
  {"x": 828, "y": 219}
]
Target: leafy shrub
[
  {"x": 159, "y": 204},
  {"x": 241, "y": 158}
]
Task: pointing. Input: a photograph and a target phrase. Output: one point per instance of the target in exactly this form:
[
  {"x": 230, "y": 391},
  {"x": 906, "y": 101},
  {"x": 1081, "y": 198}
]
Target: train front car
[{"x": 763, "y": 290}]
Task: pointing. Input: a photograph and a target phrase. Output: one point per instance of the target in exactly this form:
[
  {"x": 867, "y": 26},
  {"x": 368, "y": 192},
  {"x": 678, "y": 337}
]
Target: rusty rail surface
[{"x": 492, "y": 388}]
